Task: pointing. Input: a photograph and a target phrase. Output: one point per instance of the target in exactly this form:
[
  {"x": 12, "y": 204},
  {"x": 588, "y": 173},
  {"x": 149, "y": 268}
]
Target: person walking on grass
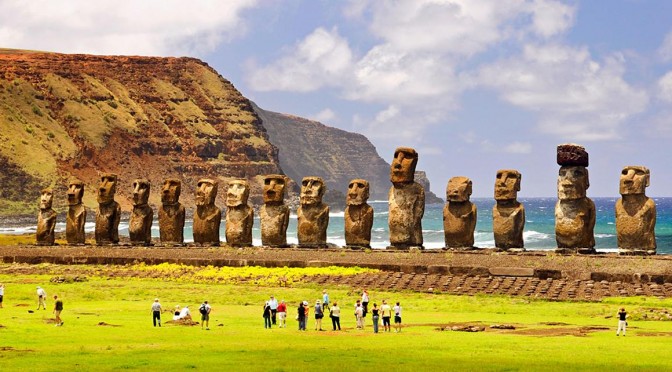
[
  {"x": 386, "y": 313},
  {"x": 365, "y": 302},
  {"x": 156, "y": 312},
  {"x": 622, "y": 322},
  {"x": 397, "y": 317},
  {"x": 375, "y": 313},
  {"x": 301, "y": 316},
  {"x": 273, "y": 303},
  {"x": 58, "y": 308},
  {"x": 2, "y": 293},
  {"x": 359, "y": 311},
  {"x": 41, "y": 298},
  {"x": 325, "y": 301},
  {"x": 205, "y": 310},
  {"x": 319, "y": 314},
  {"x": 335, "y": 314},
  {"x": 267, "y": 315},
  {"x": 282, "y": 314}
]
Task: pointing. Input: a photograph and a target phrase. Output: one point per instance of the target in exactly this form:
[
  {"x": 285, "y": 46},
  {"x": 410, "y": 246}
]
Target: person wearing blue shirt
[{"x": 325, "y": 300}]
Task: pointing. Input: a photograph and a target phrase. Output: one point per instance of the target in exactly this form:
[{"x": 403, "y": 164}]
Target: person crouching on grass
[{"x": 58, "y": 307}]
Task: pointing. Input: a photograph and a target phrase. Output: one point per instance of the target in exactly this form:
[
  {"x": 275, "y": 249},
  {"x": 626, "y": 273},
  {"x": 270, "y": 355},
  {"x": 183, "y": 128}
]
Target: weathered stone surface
[
  {"x": 108, "y": 213},
  {"x": 574, "y": 212},
  {"x": 459, "y": 214},
  {"x": 142, "y": 216},
  {"x": 635, "y": 213},
  {"x": 508, "y": 215},
  {"x": 406, "y": 201},
  {"x": 570, "y": 154},
  {"x": 208, "y": 216},
  {"x": 239, "y": 215},
  {"x": 171, "y": 213},
  {"x": 358, "y": 215},
  {"x": 76, "y": 217},
  {"x": 46, "y": 219},
  {"x": 313, "y": 215},
  {"x": 274, "y": 214},
  {"x": 511, "y": 271}
]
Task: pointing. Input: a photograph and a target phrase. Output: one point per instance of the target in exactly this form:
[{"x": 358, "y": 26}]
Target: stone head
[
  {"x": 170, "y": 192},
  {"x": 507, "y": 184},
  {"x": 141, "y": 188},
  {"x": 634, "y": 180},
  {"x": 107, "y": 188},
  {"x": 312, "y": 190},
  {"x": 274, "y": 188},
  {"x": 46, "y": 199},
  {"x": 358, "y": 192},
  {"x": 572, "y": 182},
  {"x": 237, "y": 193},
  {"x": 206, "y": 192},
  {"x": 403, "y": 165},
  {"x": 75, "y": 192},
  {"x": 458, "y": 189}
]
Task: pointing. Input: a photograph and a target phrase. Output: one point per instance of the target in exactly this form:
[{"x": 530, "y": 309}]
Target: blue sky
[{"x": 473, "y": 85}]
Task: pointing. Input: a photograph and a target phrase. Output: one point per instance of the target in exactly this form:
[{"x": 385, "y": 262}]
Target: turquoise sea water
[{"x": 539, "y": 226}]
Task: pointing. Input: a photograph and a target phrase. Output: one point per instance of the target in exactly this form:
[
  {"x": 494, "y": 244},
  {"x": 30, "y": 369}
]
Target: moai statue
[
  {"x": 635, "y": 213},
  {"x": 574, "y": 212},
  {"x": 274, "y": 214},
  {"x": 46, "y": 219},
  {"x": 140, "y": 225},
  {"x": 208, "y": 216},
  {"x": 76, "y": 217},
  {"x": 171, "y": 213},
  {"x": 109, "y": 211},
  {"x": 313, "y": 215},
  {"x": 508, "y": 215},
  {"x": 459, "y": 214},
  {"x": 358, "y": 215},
  {"x": 239, "y": 215},
  {"x": 406, "y": 201}
]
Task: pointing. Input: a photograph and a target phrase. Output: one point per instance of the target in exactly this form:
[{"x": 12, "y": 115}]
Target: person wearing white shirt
[
  {"x": 41, "y": 298},
  {"x": 273, "y": 303},
  {"x": 397, "y": 317}
]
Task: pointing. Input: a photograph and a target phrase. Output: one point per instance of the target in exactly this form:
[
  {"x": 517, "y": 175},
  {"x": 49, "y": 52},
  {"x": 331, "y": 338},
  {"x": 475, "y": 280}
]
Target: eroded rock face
[
  {"x": 313, "y": 215},
  {"x": 635, "y": 213},
  {"x": 171, "y": 213},
  {"x": 140, "y": 225},
  {"x": 459, "y": 214},
  {"x": 239, "y": 215},
  {"x": 274, "y": 214},
  {"x": 574, "y": 212},
  {"x": 76, "y": 217},
  {"x": 46, "y": 219},
  {"x": 358, "y": 215},
  {"x": 406, "y": 201},
  {"x": 508, "y": 215},
  {"x": 108, "y": 213},
  {"x": 208, "y": 216}
]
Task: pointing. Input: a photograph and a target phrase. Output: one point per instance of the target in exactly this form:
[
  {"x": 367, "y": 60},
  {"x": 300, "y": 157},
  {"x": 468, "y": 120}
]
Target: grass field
[{"x": 585, "y": 339}]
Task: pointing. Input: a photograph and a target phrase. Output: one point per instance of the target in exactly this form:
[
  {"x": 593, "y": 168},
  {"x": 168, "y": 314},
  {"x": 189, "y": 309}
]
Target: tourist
[
  {"x": 205, "y": 309},
  {"x": 357, "y": 304},
  {"x": 359, "y": 311},
  {"x": 335, "y": 314},
  {"x": 2, "y": 293},
  {"x": 273, "y": 303},
  {"x": 267, "y": 314},
  {"x": 365, "y": 302},
  {"x": 282, "y": 314},
  {"x": 325, "y": 300},
  {"x": 622, "y": 323},
  {"x": 58, "y": 308},
  {"x": 319, "y": 314},
  {"x": 41, "y": 298},
  {"x": 301, "y": 317},
  {"x": 156, "y": 312},
  {"x": 374, "y": 316},
  {"x": 185, "y": 313},
  {"x": 176, "y": 313},
  {"x": 306, "y": 310},
  {"x": 397, "y": 317},
  {"x": 386, "y": 313}
]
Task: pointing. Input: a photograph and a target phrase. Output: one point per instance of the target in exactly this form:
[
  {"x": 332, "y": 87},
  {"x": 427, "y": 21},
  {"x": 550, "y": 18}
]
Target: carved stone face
[
  {"x": 46, "y": 199},
  {"x": 507, "y": 184},
  {"x": 274, "y": 188},
  {"x": 634, "y": 180},
  {"x": 458, "y": 189},
  {"x": 107, "y": 188},
  {"x": 403, "y": 166},
  {"x": 141, "y": 189},
  {"x": 75, "y": 192},
  {"x": 572, "y": 182},
  {"x": 312, "y": 190},
  {"x": 237, "y": 193},
  {"x": 170, "y": 192},
  {"x": 358, "y": 192},
  {"x": 206, "y": 192}
]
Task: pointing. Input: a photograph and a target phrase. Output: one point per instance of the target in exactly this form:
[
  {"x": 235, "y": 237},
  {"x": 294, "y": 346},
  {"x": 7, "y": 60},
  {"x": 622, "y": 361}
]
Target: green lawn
[{"x": 237, "y": 337}]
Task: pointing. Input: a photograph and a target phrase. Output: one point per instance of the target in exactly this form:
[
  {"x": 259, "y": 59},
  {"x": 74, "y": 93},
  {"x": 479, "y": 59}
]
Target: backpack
[{"x": 203, "y": 310}]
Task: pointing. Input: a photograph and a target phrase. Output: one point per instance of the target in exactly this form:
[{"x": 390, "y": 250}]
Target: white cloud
[
  {"x": 665, "y": 50},
  {"x": 518, "y": 148},
  {"x": 665, "y": 87},
  {"x": 324, "y": 116},
  {"x": 551, "y": 17},
  {"x": 150, "y": 27}
]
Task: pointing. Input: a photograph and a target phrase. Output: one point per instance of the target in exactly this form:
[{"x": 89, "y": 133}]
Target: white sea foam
[
  {"x": 337, "y": 214},
  {"x": 601, "y": 236},
  {"x": 535, "y": 236}
]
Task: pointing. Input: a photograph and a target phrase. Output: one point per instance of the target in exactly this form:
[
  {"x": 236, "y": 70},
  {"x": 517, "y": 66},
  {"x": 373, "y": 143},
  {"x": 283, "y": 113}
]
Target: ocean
[{"x": 539, "y": 227}]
